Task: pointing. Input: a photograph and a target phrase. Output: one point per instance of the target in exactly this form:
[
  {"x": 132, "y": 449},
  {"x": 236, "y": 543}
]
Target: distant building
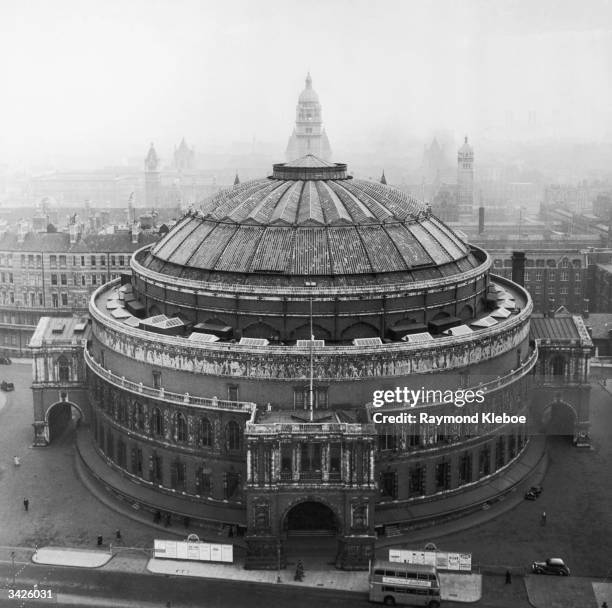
[
  {"x": 308, "y": 136},
  {"x": 184, "y": 157},
  {"x": 152, "y": 179},
  {"x": 602, "y": 207},
  {"x": 465, "y": 180},
  {"x": 553, "y": 277},
  {"x": 601, "y": 285},
  {"x": 599, "y": 326},
  {"x": 56, "y": 273}
]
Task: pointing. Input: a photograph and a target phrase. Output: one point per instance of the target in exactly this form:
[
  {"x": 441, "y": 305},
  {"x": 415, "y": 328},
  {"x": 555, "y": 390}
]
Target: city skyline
[{"x": 99, "y": 81}]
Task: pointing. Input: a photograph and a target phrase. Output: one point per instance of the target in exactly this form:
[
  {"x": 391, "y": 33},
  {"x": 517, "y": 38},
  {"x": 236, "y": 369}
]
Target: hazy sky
[{"x": 102, "y": 79}]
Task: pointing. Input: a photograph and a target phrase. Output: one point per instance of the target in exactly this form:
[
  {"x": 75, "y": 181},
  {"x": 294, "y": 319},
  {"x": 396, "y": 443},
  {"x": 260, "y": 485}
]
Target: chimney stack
[
  {"x": 518, "y": 267},
  {"x": 481, "y": 219}
]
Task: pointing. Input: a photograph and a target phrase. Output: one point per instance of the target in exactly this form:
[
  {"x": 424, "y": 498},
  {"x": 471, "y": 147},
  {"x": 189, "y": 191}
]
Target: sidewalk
[
  {"x": 455, "y": 587},
  {"x": 65, "y": 556}
]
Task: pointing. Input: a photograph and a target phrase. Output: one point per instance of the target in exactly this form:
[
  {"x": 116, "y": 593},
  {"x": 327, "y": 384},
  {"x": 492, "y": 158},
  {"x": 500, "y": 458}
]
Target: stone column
[
  {"x": 346, "y": 464},
  {"x": 297, "y": 461},
  {"x": 275, "y": 474},
  {"x": 372, "y": 464},
  {"x": 249, "y": 464},
  {"x": 325, "y": 461}
]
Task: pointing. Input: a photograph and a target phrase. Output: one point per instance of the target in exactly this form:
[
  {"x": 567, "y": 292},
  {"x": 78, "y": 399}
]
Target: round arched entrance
[
  {"x": 311, "y": 518},
  {"x": 559, "y": 420},
  {"x": 60, "y": 417}
]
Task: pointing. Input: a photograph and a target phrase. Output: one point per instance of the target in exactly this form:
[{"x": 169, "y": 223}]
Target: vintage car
[{"x": 553, "y": 565}]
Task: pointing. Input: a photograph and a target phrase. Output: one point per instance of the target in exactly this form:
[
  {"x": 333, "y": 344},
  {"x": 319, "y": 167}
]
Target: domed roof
[
  {"x": 466, "y": 149},
  {"x": 308, "y": 95},
  {"x": 311, "y": 219}
]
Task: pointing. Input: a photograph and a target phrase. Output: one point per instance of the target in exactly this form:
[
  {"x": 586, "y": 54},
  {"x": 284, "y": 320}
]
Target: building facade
[
  {"x": 553, "y": 277},
  {"x": 465, "y": 181},
  {"x": 309, "y": 135},
  {"x": 44, "y": 274}
]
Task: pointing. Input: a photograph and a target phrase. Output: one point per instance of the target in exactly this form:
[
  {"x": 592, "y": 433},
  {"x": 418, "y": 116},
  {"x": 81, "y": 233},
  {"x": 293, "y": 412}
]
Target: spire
[
  {"x": 465, "y": 140},
  {"x": 308, "y": 81},
  {"x": 236, "y": 179},
  {"x": 383, "y": 179}
]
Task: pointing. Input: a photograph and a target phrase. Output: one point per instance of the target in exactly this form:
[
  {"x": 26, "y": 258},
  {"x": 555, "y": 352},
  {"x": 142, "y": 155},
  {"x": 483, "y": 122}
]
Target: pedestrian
[
  {"x": 99, "y": 540},
  {"x": 508, "y": 577},
  {"x": 543, "y": 518},
  {"x": 299, "y": 571},
  {"x": 118, "y": 534},
  {"x": 26, "y": 504}
]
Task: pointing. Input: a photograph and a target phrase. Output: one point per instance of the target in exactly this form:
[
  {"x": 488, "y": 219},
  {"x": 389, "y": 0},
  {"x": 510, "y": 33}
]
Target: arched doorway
[
  {"x": 311, "y": 518},
  {"x": 60, "y": 418},
  {"x": 559, "y": 420}
]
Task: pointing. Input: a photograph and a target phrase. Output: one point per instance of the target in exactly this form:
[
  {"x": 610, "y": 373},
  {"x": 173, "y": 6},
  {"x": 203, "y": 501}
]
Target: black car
[
  {"x": 5, "y": 361},
  {"x": 7, "y": 386},
  {"x": 530, "y": 495},
  {"x": 537, "y": 490},
  {"x": 553, "y": 565}
]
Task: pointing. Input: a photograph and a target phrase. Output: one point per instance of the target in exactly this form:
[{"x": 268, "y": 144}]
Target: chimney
[
  {"x": 585, "y": 312},
  {"x": 481, "y": 219},
  {"x": 75, "y": 233},
  {"x": 518, "y": 266},
  {"x": 551, "y": 308},
  {"x": 135, "y": 233}
]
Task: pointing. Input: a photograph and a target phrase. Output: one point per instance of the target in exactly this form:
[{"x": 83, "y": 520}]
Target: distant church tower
[
  {"x": 152, "y": 179},
  {"x": 184, "y": 157},
  {"x": 308, "y": 136},
  {"x": 465, "y": 181}
]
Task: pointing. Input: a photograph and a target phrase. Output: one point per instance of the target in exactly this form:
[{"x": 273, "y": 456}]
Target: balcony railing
[
  {"x": 310, "y": 428},
  {"x": 164, "y": 395}
]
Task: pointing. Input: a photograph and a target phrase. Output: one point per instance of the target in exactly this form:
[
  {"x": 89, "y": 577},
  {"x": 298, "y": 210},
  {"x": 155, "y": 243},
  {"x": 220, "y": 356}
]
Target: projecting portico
[{"x": 298, "y": 469}]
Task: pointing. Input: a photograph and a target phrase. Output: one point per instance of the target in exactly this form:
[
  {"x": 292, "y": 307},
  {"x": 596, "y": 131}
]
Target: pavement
[
  {"x": 566, "y": 592},
  {"x": 68, "y": 556}
]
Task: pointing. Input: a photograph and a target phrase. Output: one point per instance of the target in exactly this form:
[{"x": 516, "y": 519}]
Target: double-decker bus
[{"x": 394, "y": 583}]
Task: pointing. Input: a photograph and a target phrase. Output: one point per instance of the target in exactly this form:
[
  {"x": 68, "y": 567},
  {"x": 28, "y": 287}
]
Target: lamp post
[{"x": 13, "y": 565}]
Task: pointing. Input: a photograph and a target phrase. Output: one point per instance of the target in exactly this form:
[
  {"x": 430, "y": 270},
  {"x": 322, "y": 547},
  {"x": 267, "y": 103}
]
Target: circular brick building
[{"x": 207, "y": 387}]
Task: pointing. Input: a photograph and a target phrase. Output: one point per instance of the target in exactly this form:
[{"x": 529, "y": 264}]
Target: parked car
[
  {"x": 7, "y": 386},
  {"x": 5, "y": 361},
  {"x": 530, "y": 495},
  {"x": 553, "y": 565},
  {"x": 537, "y": 490}
]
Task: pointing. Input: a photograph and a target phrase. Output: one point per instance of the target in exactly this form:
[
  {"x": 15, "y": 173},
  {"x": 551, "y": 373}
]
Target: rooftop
[
  {"x": 61, "y": 330},
  {"x": 560, "y": 327},
  {"x": 310, "y": 219}
]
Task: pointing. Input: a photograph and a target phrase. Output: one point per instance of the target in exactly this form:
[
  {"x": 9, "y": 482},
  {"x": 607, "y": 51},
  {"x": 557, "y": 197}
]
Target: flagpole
[{"x": 311, "y": 366}]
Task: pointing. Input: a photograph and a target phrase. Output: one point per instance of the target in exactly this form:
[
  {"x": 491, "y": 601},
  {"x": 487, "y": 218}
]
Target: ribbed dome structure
[{"x": 311, "y": 219}]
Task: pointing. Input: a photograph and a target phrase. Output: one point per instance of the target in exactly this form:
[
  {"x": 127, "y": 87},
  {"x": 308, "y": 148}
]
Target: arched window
[
  {"x": 180, "y": 428},
  {"x": 232, "y": 435},
  {"x": 204, "y": 433},
  {"x": 157, "y": 420},
  {"x": 63, "y": 369}
]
